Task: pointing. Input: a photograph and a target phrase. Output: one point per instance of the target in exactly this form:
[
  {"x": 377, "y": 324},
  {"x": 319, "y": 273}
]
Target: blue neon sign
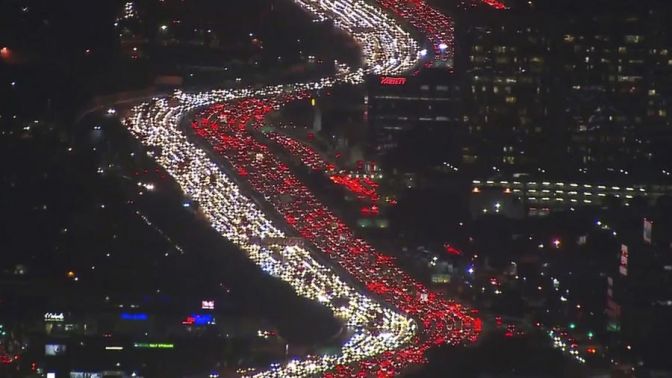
[{"x": 136, "y": 316}]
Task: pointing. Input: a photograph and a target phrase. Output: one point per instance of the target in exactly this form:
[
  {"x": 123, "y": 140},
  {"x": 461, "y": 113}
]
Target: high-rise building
[
  {"x": 544, "y": 87},
  {"x": 617, "y": 68},
  {"x": 506, "y": 94},
  {"x": 397, "y": 105}
]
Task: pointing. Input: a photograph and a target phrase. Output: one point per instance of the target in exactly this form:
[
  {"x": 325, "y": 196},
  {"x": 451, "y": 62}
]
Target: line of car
[
  {"x": 226, "y": 128},
  {"x": 394, "y": 318},
  {"x": 376, "y": 328}
]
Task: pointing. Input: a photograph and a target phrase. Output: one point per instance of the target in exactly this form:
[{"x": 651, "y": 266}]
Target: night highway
[{"x": 335, "y": 188}]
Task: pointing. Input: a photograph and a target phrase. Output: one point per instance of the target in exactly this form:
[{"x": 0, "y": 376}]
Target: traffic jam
[{"x": 254, "y": 200}]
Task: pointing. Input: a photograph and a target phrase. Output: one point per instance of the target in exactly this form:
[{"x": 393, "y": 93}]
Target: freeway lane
[
  {"x": 238, "y": 219},
  {"x": 442, "y": 321},
  {"x": 386, "y": 337}
]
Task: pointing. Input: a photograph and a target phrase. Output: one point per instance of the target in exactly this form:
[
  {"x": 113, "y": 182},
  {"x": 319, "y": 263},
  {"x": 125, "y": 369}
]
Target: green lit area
[
  {"x": 369, "y": 223},
  {"x": 613, "y": 327},
  {"x": 154, "y": 345}
]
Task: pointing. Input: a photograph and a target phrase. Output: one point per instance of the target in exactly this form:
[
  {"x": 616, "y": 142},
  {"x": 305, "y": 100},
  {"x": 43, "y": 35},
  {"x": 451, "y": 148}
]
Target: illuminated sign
[
  {"x": 440, "y": 278},
  {"x": 648, "y": 228},
  {"x": 199, "y": 320},
  {"x": 452, "y": 250},
  {"x": 154, "y": 345},
  {"x": 127, "y": 316},
  {"x": 392, "y": 80},
  {"x": 613, "y": 327},
  {"x": 54, "y": 349},
  {"x": 54, "y": 317},
  {"x": 208, "y": 305},
  {"x": 623, "y": 268}
]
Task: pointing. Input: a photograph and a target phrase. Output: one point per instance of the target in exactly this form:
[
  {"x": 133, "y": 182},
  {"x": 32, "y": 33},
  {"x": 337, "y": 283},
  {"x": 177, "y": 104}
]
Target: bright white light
[
  {"x": 238, "y": 218},
  {"x": 387, "y": 49}
]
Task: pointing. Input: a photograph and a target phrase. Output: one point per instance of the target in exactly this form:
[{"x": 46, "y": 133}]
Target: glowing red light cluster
[
  {"x": 7, "y": 358},
  {"x": 441, "y": 321},
  {"x": 364, "y": 188},
  {"x": 452, "y": 250},
  {"x": 370, "y": 211},
  {"x": 495, "y": 4}
]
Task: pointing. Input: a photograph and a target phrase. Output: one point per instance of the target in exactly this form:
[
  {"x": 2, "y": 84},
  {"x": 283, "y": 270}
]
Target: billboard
[
  {"x": 623, "y": 267},
  {"x": 648, "y": 230},
  {"x": 80, "y": 374},
  {"x": 54, "y": 349},
  {"x": 439, "y": 278},
  {"x": 199, "y": 320},
  {"x": 54, "y": 317},
  {"x": 154, "y": 345},
  {"x": 392, "y": 80},
  {"x": 133, "y": 316}
]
